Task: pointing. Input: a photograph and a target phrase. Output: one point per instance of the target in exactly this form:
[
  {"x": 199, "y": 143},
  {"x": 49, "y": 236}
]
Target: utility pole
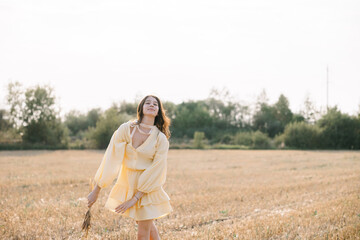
[{"x": 327, "y": 88}]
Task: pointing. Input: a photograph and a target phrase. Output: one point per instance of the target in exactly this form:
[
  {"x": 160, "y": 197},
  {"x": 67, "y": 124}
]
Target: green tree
[
  {"x": 128, "y": 108},
  {"x": 40, "y": 117},
  {"x": 265, "y": 120},
  {"x": 105, "y": 127},
  {"x": 190, "y": 117},
  {"x": 50, "y": 133},
  {"x": 34, "y": 113},
  {"x": 78, "y": 123},
  {"x": 298, "y": 117},
  {"x": 8, "y": 134},
  {"x": 272, "y": 119},
  {"x": 93, "y": 116},
  {"x": 282, "y": 111},
  {"x": 227, "y": 113},
  {"x": 262, "y": 99},
  {"x": 340, "y": 131},
  {"x": 243, "y": 138},
  {"x": 4, "y": 121},
  {"x": 170, "y": 109},
  {"x": 303, "y": 135},
  {"x": 255, "y": 139},
  {"x": 198, "y": 140},
  {"x": 260, "y": 140},
  {"x": 15, "y": 99},
  {"x": 309, "y": 111},
  {"x": 39, "y": 105}
]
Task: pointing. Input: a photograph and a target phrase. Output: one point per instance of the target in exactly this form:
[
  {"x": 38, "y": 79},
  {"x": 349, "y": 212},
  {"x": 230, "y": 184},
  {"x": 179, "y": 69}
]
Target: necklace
[
  {"x": 147, "y": 126},
  {"x": 152, "y": 127},
  {"x": 141, "y": 131},
  {"x": 137, "y": 126}
]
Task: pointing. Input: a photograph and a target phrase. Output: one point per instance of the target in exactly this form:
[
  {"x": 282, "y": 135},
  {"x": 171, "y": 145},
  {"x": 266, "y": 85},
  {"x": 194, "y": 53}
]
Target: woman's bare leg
[
  {"x": 144, "y": 228},
  {"x": 154, "y": 234}
]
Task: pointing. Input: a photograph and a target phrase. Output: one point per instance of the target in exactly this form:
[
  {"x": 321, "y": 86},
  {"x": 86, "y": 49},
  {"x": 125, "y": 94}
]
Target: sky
[{"x": 94, "y": 53}]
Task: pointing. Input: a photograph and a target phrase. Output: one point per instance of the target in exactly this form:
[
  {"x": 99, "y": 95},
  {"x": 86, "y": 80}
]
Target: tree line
[{"x": 219, "y": 121}]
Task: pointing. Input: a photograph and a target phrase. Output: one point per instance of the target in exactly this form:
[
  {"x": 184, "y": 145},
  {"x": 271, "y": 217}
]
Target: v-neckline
[{"x": 131, "y": 140}]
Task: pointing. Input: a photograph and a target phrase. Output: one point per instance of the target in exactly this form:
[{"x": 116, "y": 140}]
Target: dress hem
[{"x": 151, "y": 211}]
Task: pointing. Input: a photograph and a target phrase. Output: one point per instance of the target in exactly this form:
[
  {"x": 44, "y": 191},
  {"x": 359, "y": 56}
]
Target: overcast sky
[{"x": 97, "y": 52}]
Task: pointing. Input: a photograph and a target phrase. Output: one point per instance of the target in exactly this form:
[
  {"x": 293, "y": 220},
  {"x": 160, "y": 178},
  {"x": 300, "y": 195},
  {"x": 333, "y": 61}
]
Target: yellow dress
[{"x": 141, "y": 169}]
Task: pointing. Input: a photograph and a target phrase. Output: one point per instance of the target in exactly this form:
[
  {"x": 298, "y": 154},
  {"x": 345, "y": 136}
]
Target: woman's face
[{"x": 151, "y": 107}]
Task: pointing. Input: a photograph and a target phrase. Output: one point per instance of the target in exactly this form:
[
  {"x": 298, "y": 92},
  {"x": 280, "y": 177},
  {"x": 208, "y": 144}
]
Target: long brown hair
[{"x": 162, "y": 122}]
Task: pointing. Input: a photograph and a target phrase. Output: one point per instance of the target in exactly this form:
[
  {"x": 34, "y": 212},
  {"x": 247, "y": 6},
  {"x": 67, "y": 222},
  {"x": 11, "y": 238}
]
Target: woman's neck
[{"x": 148, "y": 120}]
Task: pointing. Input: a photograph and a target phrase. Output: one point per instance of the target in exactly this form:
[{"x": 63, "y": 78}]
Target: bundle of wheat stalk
[{"x": 86, "y": 224}]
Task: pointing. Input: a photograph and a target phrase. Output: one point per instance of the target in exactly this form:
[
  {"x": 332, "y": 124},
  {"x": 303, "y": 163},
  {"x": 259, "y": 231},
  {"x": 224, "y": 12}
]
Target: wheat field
[{"x": 215, "y": 194}]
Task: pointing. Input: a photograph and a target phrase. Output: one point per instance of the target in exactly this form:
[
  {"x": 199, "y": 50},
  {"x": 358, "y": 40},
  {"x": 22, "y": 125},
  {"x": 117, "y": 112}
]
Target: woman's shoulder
[
  {"x": 161, "y": 138},
  {"x": 161, "y": 135},
  {"x": 131, "y": 122},
  {"x": 126, "y": 125}
]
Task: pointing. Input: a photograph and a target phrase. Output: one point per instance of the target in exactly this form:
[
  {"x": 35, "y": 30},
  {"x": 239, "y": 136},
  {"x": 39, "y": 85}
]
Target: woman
[{"x": 137, "y": 155}]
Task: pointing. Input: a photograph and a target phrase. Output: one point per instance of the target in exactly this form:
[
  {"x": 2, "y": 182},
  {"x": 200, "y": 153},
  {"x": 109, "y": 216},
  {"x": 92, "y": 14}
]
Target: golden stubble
[{"x": 215, "y": 194}]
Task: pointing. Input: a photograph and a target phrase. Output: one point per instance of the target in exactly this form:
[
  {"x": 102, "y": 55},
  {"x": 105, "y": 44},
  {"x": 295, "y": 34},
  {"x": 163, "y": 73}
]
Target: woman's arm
[
  {"x": 112, "y": 159},
  {"x": 92, "y": 197},
  {"x": 129, "y": 203},
  {"x": 138, "y": 195},
  {"x": 97, "y": 188},
  {"x": 154, "y": 176}
]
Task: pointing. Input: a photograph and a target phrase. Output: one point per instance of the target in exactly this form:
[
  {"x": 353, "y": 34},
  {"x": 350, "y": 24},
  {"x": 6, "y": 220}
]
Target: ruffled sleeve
[
  {"x": 154, "y": 176},
  {"x": 112, "y": 159}
]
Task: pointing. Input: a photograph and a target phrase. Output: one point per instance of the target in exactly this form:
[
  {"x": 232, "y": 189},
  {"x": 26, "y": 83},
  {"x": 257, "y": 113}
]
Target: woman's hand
[
  {"x": 124, "y": 206},
  {"x": 92, "y": 197}
]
